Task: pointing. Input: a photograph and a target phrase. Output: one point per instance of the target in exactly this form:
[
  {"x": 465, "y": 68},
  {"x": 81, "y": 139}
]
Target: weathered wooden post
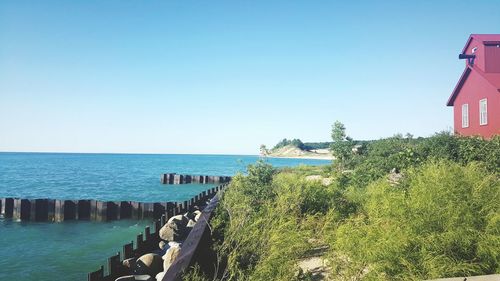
[
  {"x": 147, "y": 210},
  {"x": 128, "y": 250},
  {"x": 118, "y": 207},
  {"x": 170, "y": 209},
  {"x": 65, "y": 210},
  {"x": 8, "y": 207},
  {"x": 93, "y": 210},
  {"x": 22, "y": 209},
  {"x": 147, "y": 233},
  {"x": 84, "y": 209},
  {"x": 125, "y": 210},
  {"x": 164, "y": 178},
  {"x": 158, "y": 210},
  {"x": 41, "y": 210},
  {"x": 97, "y": 275},
  {"x": 115, "y": 267},
  {"x": 51, "y": 210},
  {"x": 112, "y": 211},
  {"x": 158, "y": 226},
  {"x": 136, "y": 210},
  {"x": 140, "y": 244}
]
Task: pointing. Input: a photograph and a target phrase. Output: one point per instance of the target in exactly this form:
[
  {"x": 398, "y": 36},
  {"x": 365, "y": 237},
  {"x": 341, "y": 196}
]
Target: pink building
[{"x": 476, "y": 97}]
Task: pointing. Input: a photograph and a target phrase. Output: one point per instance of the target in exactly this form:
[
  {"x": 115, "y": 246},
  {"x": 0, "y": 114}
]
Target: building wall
[
  {"x": 492, "y": 64},
  {"x": 474, "y": 89},
  {"x": 479, "y": 61}
]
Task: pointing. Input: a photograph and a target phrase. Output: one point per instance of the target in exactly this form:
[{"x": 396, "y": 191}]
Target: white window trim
[
  {"x": 483, "y": 114},
  {"x": 465, "y": 115}
]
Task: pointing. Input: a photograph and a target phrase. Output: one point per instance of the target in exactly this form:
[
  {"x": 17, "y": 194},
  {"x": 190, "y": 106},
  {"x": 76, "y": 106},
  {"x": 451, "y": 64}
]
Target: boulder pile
[{"x": 153, "y": 266}]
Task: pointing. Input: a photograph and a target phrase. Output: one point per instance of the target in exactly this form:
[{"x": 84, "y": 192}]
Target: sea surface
[{"x": 68, "y": 250}]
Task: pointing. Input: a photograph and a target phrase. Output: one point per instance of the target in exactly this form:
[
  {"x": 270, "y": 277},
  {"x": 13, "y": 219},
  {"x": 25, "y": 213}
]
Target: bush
[{"x": 442, "y": 222}]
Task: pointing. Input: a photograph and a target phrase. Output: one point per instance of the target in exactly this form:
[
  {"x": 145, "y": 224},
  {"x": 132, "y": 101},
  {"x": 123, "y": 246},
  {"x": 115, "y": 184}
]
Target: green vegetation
[
  {"x": 399, "y": 209},
  {"x": 285, "y": 142}
]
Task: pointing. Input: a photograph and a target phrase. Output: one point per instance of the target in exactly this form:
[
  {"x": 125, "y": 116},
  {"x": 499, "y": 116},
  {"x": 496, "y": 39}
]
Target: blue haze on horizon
[{"x": 226, "y": 76}]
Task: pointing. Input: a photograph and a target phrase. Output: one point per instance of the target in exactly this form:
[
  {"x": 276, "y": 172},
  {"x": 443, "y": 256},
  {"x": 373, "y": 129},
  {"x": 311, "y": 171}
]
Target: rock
[
  {"x": 160, "y": 276},
  {"x": 189, "y": 215},
  {"x": 149, "y": 264},
  {"x": 143, "y": 277},
  {"x": 175, "y": 229},
  {"x": 394, "y": 177},
  {"x": 161, "y": 245},
  {"x": 129, "y": 263},
  {"x": 171, "y": 256},
  {"x": 324, "y": 181},
  {"x": 126, "y": 278},
  {"x": 190, "y": 224},
  {"x": 178, "y": 217},
  {"x": 197, "y": 215}
]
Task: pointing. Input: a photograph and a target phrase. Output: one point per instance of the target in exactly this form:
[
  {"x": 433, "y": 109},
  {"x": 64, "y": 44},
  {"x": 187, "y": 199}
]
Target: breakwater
[
  {"x": 54, "y": 210},
  {"x": 173, "y": 178},
  {"x": 194, "y": 247}
]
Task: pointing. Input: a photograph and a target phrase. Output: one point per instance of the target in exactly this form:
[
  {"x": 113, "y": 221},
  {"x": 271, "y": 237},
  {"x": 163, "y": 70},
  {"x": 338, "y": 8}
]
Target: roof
[
  {"x": 485, "y": 38},
  {"x": 492, "y": 78}
]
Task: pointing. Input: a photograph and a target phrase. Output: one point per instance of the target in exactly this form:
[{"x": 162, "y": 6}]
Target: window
[
  {"x": 483, "y": 112},
  {"x": 465, "y": 115}
]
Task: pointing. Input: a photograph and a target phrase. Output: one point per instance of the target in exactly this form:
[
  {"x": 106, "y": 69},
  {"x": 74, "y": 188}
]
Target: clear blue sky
[{"x": 226, "y": 76}]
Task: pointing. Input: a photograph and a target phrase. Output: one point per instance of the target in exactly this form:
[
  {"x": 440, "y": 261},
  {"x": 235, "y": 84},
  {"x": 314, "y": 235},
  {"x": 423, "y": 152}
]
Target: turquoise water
[
  {"x": 115, "y": 176},
  {"x": 69, "y": 250},
  {"x": 60, "y": 251}
]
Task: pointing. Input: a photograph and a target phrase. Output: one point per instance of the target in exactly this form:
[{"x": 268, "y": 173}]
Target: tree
[
  {"x": 342, "y": 144},
  {"x": 263, "y": 150}
]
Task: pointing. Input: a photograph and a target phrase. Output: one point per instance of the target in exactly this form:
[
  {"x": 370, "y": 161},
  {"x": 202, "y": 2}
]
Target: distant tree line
[
  {"x": 295, "y": 142},
  {"x": 308, "y": 145}
]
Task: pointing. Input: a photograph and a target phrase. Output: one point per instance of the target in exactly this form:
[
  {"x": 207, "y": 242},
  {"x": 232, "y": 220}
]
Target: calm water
[
  {"x": 67, "y": 251},
  {"x": 115, "y": 176}
]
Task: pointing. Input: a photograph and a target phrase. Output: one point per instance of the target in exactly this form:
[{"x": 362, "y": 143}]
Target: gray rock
[
  {"x": 143, "y": 277},
  {"x": 160, "y": 276},
  {"x": 197, "y": 215},
  {"x": 175, "y": 229},
  {"x": 126, "y": 278},
  {"x": 129, "y": 263},
  {"x": 149, "y": 264},
  {"x": 170, "y": 256},
  {"x": 191, "y": 223},
  {"x": 161, "y": 245}
]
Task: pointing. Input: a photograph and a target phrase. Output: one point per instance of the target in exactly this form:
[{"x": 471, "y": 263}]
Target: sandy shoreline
[{"x": 310, "y": 157}]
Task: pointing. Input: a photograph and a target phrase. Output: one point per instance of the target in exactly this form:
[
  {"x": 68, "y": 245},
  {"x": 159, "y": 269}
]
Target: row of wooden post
[
  {"x": 64, "y": 210},
  {"x": 147, "y": 242},
  {"x": 173, "y": 178}
]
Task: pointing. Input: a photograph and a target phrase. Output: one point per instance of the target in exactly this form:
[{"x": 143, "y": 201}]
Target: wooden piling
[
  {"x": 147, "y": 210},
  {"x": 22, "y": 209},
  {"x": 93, "y": 210},
  {"x": 128, "y": 250},
  {"x": 97, "y": 275},
  {"x": 112, "y": 211},
  {"x": 115, "y": 267},
  {"x": 136, "y": 210},
  {"x": 84, "y": 209},
  {"x": 139, "y": 244},
  {"x": 39, "y": 210},
  {"x": 125, "y": 210}
]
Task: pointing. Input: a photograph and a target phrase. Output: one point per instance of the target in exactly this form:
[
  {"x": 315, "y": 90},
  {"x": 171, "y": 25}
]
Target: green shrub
[{"x": 441, "y": 222}]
